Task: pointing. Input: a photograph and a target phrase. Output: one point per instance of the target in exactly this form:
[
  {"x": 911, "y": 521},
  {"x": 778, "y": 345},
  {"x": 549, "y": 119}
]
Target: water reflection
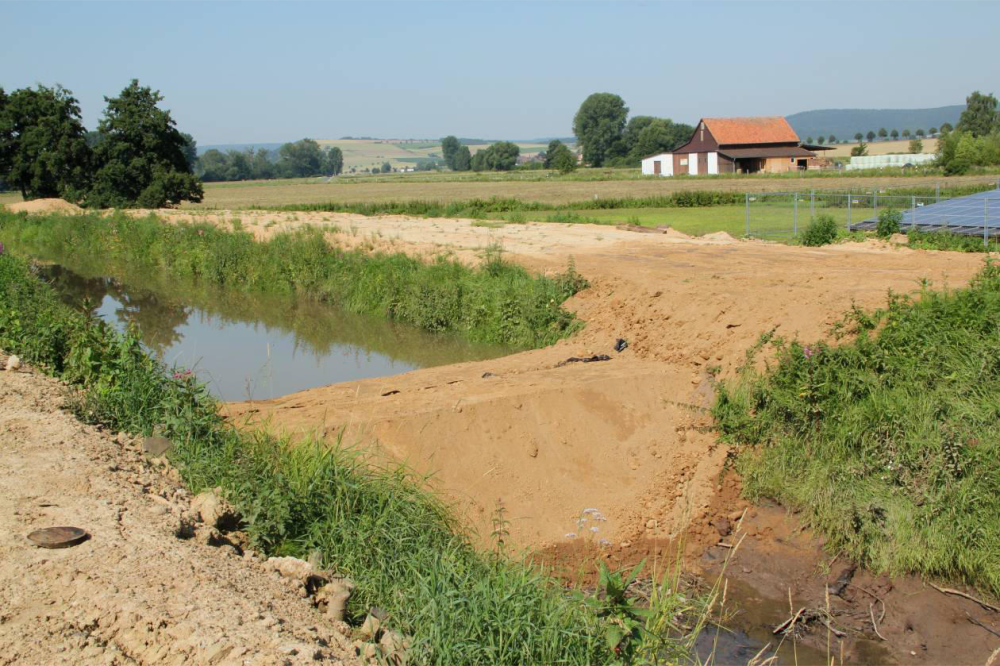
[{"x": 252, "y": 345}]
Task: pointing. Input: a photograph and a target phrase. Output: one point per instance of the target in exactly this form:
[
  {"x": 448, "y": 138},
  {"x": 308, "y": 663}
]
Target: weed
[
  {"x": 889, "y": 441},
  {"x": 822, "y": 230},
  {"x": 889, "y": 222}
]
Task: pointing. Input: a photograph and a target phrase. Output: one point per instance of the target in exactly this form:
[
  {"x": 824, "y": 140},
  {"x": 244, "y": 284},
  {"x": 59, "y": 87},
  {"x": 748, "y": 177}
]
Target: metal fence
[{"x": 786, "y": 214}]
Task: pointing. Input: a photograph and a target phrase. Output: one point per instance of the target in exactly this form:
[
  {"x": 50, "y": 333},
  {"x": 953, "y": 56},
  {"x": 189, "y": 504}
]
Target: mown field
[
  {"x": 882, "y": 148},
  {"x": 548, "y": 190}
]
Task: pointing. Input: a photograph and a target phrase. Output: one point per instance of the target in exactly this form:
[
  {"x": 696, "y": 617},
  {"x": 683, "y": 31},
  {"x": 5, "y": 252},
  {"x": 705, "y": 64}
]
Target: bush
[
  {"x": 890, "y": 222},
  {"x": 822, "y": 230}
]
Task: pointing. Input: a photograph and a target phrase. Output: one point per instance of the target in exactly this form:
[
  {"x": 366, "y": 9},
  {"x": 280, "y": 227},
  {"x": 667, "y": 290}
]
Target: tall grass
[
  {"x": 401, "y": 546},
  {"x": 890, "y": 441},
  {"x": 498, "y": 302}
]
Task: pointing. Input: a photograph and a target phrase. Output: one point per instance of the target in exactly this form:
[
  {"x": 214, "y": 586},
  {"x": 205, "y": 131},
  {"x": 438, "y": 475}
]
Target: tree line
[
  {"x": 299, "y": 159},
  {"x": 975, "y": 140},
  {"x": 136, "y": 157},
  {"x": 499, "y": 156}
]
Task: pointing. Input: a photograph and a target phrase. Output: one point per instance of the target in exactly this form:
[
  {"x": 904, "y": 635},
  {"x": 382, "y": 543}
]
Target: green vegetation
[
  {"x": 822, "y": 230},
  {"x": 300, "y": 159},
  {"x": 137, "y": 157},
  {"x": 890, "y": 441},
  {"x": 401, "y": 547},
  {"x": 890, "y": 222},
  {"x": 600, "y": 127},
  {"x": 500, "y": 156},
  {"x": 939, "y": 240},
  {"x": 497, "y": 303}
]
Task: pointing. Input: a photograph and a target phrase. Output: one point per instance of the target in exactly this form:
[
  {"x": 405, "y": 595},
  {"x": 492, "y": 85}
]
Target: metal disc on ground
[{"x": 58, "y": 537}]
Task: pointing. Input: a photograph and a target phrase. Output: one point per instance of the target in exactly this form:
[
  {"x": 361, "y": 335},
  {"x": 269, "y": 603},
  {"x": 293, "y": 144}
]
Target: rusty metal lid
[{"x": 58, "y": 537}]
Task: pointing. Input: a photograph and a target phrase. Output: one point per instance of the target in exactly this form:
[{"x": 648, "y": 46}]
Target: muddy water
[{"x": 256, "y": 346}]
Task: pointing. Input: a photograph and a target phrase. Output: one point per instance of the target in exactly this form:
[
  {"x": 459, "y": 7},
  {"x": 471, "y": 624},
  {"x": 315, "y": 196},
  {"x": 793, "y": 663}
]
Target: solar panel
[{"x": 974, "y": 214}]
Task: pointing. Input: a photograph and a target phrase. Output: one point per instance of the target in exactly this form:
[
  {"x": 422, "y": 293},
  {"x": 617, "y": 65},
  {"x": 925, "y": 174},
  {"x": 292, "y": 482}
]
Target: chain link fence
[{"x": 784, "y": 215}]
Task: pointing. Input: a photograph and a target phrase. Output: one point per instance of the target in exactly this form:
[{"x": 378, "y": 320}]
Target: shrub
[
  {"x": 822, "y": 230},
  {"x": 890, "y": 222}
]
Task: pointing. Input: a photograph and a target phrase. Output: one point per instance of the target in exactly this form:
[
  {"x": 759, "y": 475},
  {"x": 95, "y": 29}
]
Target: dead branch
[
  {"x": 871, "y": 613},
  {"x": 959, "y": 593},
  {"x": 789, "y": 623},
  {"x": 980, "y": 624}
]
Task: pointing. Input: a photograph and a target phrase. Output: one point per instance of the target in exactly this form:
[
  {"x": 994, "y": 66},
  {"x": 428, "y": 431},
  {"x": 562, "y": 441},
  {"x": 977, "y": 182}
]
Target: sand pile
[
  {"x": 719, "y": 236},
  {"x": 44, "y": 207}
]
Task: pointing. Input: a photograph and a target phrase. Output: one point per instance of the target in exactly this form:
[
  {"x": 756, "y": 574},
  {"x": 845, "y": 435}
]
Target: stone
[
  {"x": 394, "y": 646},
  {"x": 650, "y": 524},
  {"x": 370, "y": 628},
  {"x": 722, "y": 526},
  {"x": 335, "y": 595},
  {"x": 214, "y": 511},
  {"x": 156, "y": 447},
  {"x": 13, "y": 363}
]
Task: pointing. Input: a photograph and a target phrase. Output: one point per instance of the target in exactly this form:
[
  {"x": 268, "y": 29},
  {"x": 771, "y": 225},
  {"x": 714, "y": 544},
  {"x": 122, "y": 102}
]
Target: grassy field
[
  {"x": 365, "y": 153},
  {"x": 889, "y": 441},
  {"x": 881, "y": 148},
  {"x": 547, "y": 190}
]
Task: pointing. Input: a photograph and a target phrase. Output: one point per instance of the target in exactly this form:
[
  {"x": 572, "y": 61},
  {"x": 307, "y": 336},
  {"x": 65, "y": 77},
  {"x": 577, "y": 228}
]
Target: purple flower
[
  {"x": 184, "y": 374},
  {"x": 807, "y": 352},
  {"x": 1, "y": 248}
]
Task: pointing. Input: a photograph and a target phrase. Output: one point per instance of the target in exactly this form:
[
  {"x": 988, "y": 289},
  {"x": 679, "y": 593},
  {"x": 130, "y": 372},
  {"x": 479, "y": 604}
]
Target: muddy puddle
[{"x": 254, "y": 346}]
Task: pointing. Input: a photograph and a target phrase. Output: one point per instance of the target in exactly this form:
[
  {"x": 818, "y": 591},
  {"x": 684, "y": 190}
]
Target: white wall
[
  {"x": 713, "y": 163},
  {"x": 666, "y": 161},
  {"x": 693, "y": 164}
]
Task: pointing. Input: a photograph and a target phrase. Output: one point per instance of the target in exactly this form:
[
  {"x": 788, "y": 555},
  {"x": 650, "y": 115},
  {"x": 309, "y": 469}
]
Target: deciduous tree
[
  {"x": 980, "y": 115},
  {"x": 462, "y": 159},
  {"x": 334, "y": 161},
  {"x": 894, "y": 134},
  {"x": 449, "y": 147},
  {"x": 598, "y": 126},
  {"x": 301, "y": 159},
  {"x": 43, "y": 145},
  {"x": 140, "y": 154}
]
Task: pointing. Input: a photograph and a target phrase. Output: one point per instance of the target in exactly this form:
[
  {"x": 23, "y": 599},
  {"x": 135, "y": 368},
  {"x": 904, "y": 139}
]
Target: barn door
[{"x": 656, "y": 167}]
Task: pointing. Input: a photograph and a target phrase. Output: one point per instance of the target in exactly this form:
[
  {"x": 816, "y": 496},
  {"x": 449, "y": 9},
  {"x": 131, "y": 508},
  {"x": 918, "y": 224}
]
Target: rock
[
  {"x": 736, "y": 515},
  {"x": 214, "y": 511},
  {"x": 291, "y": 568},
  {"x": 394, "y": 646},
  {"x": 335, "y": 595},
  {"x": 156, "y": 447},
  {"x": 533, "y": 449},
  {"x": 650, "y": 524},
  {"x": 370, "y": 628},
  {"x": 369, "y": 650},
  {"x": 722, "y": 526},
  {"x": 13, "y": 363}
]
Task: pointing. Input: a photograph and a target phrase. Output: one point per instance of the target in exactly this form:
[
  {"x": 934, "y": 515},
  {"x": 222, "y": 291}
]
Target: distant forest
[{"x": 845, "y": 123}]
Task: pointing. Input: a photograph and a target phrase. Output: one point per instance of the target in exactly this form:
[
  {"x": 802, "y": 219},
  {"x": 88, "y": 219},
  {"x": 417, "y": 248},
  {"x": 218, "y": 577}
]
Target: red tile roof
[{"x": 763, "y": 129}]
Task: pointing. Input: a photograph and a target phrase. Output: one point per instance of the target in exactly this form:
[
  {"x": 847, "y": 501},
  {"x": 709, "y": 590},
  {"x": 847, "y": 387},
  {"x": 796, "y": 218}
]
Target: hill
[{"x": 845, "y": 123}]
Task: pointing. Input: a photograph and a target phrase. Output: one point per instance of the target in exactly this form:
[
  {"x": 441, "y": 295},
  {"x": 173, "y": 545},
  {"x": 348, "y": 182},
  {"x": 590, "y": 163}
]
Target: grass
[
  {"x": 401, "y": 546},
  {"x": 497, "y": 302},
  {"x": 888, "y": 441},
  {"x": 939, "y": 240}
]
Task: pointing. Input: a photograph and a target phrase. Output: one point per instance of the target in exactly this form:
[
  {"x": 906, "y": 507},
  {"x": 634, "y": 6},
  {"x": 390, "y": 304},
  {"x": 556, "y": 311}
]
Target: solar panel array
[{"x": 975, "y": 214}]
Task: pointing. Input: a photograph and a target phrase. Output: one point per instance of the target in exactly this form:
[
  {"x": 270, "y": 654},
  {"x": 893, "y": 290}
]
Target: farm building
[{"x": 736, "y": 145}]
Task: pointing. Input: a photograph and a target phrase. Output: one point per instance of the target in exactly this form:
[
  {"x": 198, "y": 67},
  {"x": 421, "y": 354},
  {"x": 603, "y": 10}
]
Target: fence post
[
  {"x": 913, "y": 222},
  {"x": 812, "y": 203},
  {"x": 986, "y": 218},
  {"x": 748, "y": 214},
  {"x": 937, "y": 193},
  {"x": 795, "y": 216},
  {"x": 848, "y": 212},
  {"x": 875, "y": 193}
]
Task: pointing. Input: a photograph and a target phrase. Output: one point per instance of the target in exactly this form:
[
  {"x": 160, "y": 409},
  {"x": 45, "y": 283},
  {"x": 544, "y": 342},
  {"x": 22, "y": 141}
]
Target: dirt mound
[
  {"x": 719, "y": 236},
  {"x": 670, "y": 232},
  {"x": 140, "y": 589},
  {"x": 45, "y": 207}
]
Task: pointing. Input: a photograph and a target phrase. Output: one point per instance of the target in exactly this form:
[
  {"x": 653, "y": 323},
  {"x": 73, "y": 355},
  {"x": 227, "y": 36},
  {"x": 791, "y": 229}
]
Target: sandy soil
[
  {"x": 133, "y": 593},
  {"x": 628, "y": 436},
  {"x": 41, "y": 206}
]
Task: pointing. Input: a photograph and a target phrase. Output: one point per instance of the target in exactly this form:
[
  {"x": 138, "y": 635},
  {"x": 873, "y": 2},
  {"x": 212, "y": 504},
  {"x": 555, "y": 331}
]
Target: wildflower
[
  {"x": 1, "y": 248},
  {"x": 184, "y": 374},
  {"x": 595, "y": 529},
  {"x": 807, "y": 352},
  {"x": 570, "y": 535}
]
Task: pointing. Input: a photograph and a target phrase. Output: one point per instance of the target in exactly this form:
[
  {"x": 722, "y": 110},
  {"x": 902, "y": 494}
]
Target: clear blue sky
[{"x": 267, "y": 72}]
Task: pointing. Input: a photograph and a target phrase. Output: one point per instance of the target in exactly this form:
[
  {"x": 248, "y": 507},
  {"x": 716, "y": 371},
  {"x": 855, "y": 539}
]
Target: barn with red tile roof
[{"x": 735, "y": 145}]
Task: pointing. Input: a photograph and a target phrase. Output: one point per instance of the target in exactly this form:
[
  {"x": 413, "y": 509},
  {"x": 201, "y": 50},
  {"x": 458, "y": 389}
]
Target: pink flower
[{"x": 807, "y": 352}]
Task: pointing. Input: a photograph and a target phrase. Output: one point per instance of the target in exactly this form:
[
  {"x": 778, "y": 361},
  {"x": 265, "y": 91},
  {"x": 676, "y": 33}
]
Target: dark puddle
[{"x": 254, "y": 345}]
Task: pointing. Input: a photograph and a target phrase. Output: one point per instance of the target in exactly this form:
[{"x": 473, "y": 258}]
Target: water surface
[{"x": 256, "y": 346}]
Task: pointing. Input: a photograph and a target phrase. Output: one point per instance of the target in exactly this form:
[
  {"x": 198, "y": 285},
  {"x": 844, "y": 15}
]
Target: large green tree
[
  {"x": 334, "y": 161},
  {"x": 449, "y": 147},
  {"x": 190, "y": 150},
  {"x": 43, "y": 144},
  {"x": 980, "y": 116},
  {"x": 599, "y": 125},
  {"x": 300, "y": 159},
  {"x": 462, "y": 160},
  {"x": 501, "y": 156},
  {"x": 140, "y": 155},
  {"x": 659, "y": 136}
]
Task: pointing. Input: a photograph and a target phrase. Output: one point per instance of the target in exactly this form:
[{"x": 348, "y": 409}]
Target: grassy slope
[
  {"x": 497, "y": 303},
  {"x": 401, "y": 547},
  {"x": 890, "y": 441}
]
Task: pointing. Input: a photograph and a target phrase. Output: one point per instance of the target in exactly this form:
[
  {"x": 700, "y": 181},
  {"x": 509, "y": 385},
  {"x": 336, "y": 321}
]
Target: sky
[{"x": 245, "y": 72}]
